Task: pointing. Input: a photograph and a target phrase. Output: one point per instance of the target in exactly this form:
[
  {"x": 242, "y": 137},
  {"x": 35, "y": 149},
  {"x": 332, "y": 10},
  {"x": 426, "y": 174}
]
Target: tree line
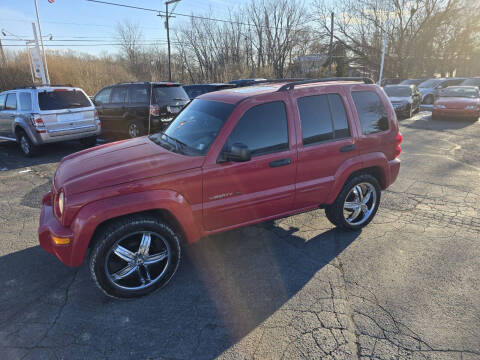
[{"x": 285, "y": 38}]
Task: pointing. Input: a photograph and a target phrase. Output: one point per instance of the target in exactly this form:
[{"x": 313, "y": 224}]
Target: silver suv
[{"x": 38, "y": 115}]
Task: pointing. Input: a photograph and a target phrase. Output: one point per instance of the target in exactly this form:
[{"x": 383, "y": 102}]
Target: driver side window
[{"x": 263, "y": 128}]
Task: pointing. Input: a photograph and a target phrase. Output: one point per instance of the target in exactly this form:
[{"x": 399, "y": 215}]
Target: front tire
[
  {"x": 356, "y": 205},
  {"x": 134, "y": 256},
  {"x": 134, "y": 130}
]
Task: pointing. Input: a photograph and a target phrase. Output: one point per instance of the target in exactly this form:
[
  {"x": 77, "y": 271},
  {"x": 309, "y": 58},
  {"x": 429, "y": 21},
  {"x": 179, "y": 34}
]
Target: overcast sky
[{"x": 86, "y": 23}]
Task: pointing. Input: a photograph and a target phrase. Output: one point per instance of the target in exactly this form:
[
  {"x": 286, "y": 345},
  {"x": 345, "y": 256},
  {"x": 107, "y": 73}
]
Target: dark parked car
[
  {"x": 413, "y": 81},
  {"x": 247, "y": 82},
  {"x": 139, "y": 108},
  {"x": 391, "y": 81},
  {"x": 231, "y": 158},
  {"x": 471, "y": 82},
  {"x": 199, "y": 89},
  {"x": 405, "y": 99}
]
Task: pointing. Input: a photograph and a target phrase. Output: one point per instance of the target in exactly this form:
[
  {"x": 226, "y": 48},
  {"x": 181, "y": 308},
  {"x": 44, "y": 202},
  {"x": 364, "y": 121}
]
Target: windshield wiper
[{"x": 177, "y": 142}]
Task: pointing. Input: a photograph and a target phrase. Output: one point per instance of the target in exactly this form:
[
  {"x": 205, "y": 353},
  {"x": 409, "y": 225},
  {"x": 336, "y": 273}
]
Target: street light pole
[
  {"x": 168, "y": 36},
  {"x": 41, "y": 41}
]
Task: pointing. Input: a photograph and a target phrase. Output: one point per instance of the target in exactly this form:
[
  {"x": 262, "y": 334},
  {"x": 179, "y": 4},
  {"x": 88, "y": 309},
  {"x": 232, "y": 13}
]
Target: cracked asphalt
[{"x": 406, "y": 287}]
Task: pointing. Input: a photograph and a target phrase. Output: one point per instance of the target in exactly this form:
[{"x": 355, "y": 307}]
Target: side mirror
[{"x": 239, "y": 153}]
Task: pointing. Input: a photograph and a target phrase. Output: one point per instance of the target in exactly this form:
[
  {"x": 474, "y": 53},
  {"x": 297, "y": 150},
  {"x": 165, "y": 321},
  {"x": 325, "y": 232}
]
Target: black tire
[
  {"x": 89, "y": 142},
  {"x": 26, "y": 145},
  {"x": 335, "y": 211},
  {"x": 139, "y": 130},
  {"x": 129, "y": 227}
]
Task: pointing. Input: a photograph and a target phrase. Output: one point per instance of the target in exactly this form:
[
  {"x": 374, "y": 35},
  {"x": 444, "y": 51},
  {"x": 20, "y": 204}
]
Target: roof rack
[{"x": 291, "y": 85}]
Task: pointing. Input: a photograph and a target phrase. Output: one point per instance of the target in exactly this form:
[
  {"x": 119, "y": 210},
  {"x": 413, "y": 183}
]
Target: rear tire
[
  {"x": 26, "y": 145},
  {"x": 134, "y": 130},
  {"x": 134, "y": 256},
  {"x": 357, "y": 203}
]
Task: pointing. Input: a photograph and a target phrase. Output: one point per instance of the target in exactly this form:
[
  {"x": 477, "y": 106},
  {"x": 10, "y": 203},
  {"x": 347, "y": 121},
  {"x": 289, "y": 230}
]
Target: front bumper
[
  {"x": 50, "y": 226},
  {"x": 455, "y": 113}
]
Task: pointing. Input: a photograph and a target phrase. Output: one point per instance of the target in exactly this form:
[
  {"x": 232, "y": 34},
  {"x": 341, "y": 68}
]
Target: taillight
[
  {"x": 154, "y": 110},
  {"x": 38, "y": 124},
  {"x": 97, "y": 118},
  {"x": 398, "y": 148}
]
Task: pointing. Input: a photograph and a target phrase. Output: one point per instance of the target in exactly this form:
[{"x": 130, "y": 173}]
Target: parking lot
[{"x": 406, "y": 287}]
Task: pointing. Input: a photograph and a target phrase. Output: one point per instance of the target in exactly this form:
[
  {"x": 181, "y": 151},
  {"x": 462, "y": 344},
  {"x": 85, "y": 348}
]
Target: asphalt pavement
[{"x": 406, "y": 287}]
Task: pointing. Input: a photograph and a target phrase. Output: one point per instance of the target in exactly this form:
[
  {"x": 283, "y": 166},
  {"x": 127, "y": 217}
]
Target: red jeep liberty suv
[{"x": 230, "y": 158}]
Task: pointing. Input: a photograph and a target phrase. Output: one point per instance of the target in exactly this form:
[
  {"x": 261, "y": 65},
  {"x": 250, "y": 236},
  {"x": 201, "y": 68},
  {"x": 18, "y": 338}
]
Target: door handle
[
  {"x": 282, "y": 162},
  {"x": 347, "y": 148}
]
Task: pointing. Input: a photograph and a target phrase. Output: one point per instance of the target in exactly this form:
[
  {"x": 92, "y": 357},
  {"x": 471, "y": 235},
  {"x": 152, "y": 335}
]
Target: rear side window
[
  {"x": 11, "y": 103},
  {"x": 119, "y": 95},
  {"x": 2, "y": 101},
  {"x": 25, "y": 101},
  {"x": 103, "y": 97},
  {"x": 263, "y": 128},
  {"x": 63, "y": 99},
  {"x": 371, "y": 112},
  {"x": 138, "y": 94},
  {"x": 323, "y": 118}
]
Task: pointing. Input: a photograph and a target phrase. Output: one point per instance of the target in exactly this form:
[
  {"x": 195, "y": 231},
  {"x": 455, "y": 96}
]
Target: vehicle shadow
[
  {"x": 226, "y": 286},
  {"x": 426, "y": 122},
  {"x": 11, "y": 156}
]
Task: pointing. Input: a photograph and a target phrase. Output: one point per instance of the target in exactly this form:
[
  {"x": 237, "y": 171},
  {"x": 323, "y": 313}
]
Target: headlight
[
  {"x": 60, "y": 203},
  {"x": 440, "y": 106},
  {"x": 471, "y": 107}
]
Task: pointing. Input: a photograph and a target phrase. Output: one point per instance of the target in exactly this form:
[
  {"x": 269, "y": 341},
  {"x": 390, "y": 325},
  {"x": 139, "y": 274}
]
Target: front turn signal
[{"x": 60, "y": 241}]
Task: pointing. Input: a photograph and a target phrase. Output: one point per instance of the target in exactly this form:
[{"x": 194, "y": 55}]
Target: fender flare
[
  {"x": 94, "y": 214},
  {"x": 375, "y": 160}
]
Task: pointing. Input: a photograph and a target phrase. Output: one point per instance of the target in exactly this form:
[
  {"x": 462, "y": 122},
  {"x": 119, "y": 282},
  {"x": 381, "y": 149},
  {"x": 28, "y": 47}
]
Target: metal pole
[
  {"x": 168, "y": 41},
  {"x": 44, "y": 80},
  {"x": 331, "y": 43},
  {"x": 41, "y": 41},
  {"x": 387, "y": 23},
  {"x": 4, "y": 59}
]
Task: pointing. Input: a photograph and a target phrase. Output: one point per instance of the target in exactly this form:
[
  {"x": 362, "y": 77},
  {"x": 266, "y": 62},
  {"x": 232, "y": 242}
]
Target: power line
[{"x": 162, "y": 13}]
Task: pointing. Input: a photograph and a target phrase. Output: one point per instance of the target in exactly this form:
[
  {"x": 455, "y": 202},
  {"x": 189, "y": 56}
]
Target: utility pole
[
  {"x": 41, "y": 41},
  {"x": 331, "y": 43},
  {"x": 4, "y": 59},
  {"x": 385, "y": 36},
  {"x": 168, "y": 36}
]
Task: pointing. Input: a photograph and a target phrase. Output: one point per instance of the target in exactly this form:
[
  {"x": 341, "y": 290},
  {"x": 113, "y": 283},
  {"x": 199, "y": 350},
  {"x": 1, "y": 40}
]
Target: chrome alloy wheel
[
  {"x": 132, "y": 130},
  {"x": 359, "y": 204},
  {"x": 137, "y": 260}
]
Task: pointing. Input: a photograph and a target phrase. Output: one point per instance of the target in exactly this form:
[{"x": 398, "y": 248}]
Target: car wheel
[
  {"x": 26, "y": 145},
  {"x": 357, "y": 203},
  {"x": 134, "y": 130},
  {"x": 134, "y": 256},
  {"x": 89, "y": 142}
]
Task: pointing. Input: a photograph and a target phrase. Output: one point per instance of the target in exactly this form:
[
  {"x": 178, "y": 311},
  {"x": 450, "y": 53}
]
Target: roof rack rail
[{"x": 291, "y": 85}]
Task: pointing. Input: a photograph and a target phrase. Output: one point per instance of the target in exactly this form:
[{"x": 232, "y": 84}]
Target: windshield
[
  {"x": 460, "y": 92},
  {"x": 429, "y": 84},
  {"x": 398, "y": 91},
  {"x": 195, "y": 128},
  {"x": 62, "y": 99},
  {"x": 165, "y": 95},
  {"x": 472, "y": 82}
]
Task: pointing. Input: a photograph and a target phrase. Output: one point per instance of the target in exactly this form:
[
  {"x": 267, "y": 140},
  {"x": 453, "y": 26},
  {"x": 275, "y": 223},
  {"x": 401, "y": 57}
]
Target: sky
[{"x": 91, "y": 26}]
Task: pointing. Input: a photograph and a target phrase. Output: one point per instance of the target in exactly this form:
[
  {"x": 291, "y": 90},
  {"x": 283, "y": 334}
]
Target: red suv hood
[
  {"x": 456, "y": 102},
  {"x": 117, "y": 163}
]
